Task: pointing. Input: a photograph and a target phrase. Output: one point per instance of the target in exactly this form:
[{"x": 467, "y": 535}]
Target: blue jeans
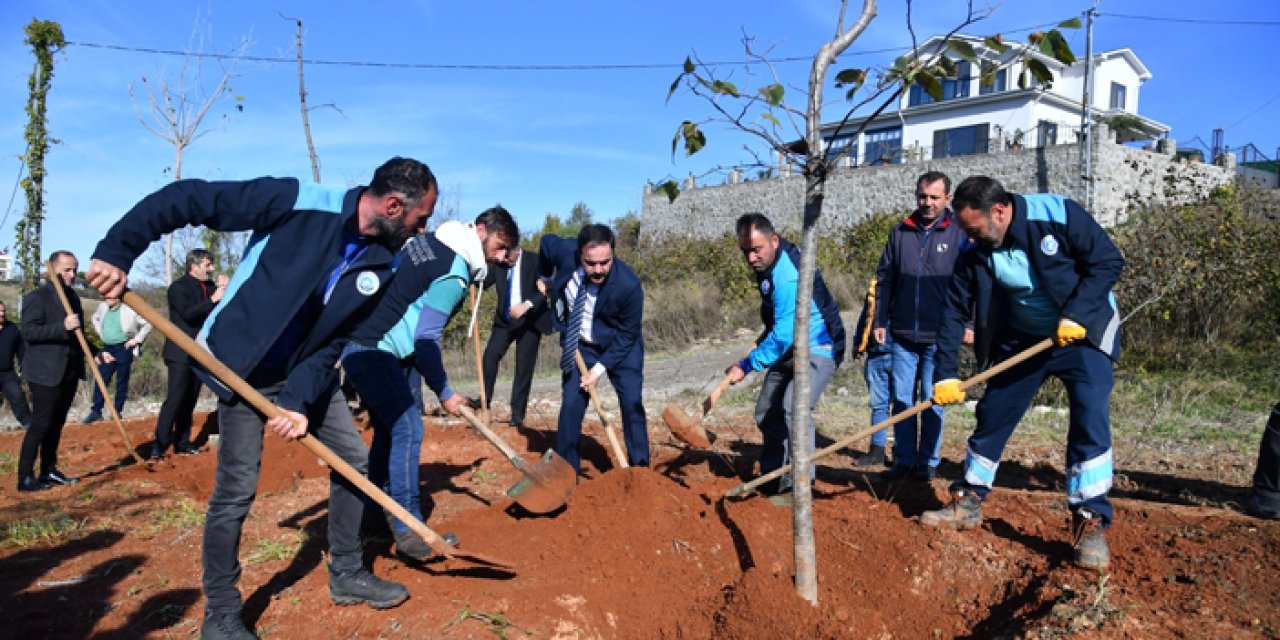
[
  {"x": 879, "y": 371},
  {"x": 120, "y": 369},
  {"x": 912, "y": 383},
  {"x": 236, "y": 484},
  {"x": 773, "y": 411},
  {"x": 383, "y": 383}
]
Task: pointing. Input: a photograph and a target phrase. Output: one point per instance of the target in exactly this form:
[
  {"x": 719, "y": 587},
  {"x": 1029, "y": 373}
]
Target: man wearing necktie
[
  {"x": 520, "y": 317},
  {"x": 598, "y": 308}
]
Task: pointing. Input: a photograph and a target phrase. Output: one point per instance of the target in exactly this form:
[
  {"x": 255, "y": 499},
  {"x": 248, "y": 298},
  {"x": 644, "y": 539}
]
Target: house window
[
  {"x": 1000, "y": 82},
  {"x": 957, "y": 88},
  {"x": 1117, "y": 95},
  {"x": 1047, "y": 133},
  {"x": 960, "y": 141},
  {"x": 884, "y": 146},
  {"x": 837, "y": 145}
]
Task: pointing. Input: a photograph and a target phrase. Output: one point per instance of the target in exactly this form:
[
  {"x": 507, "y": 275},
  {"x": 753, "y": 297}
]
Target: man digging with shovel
[
  {"x": 314, "y": 266},
  {"x": 404, "y": 331}
]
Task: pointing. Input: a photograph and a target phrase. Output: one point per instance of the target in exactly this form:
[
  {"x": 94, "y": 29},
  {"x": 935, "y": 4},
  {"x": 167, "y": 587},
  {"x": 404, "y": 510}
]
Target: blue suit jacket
[{"x": 618, "y": 320}]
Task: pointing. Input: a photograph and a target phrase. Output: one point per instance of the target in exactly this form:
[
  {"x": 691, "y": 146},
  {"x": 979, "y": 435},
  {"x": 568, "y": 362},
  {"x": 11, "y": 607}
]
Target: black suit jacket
[
  {"x": 537, "y": 316},
  {"x": 51, "y": 349},
  {"x": 189, "y": 305}
]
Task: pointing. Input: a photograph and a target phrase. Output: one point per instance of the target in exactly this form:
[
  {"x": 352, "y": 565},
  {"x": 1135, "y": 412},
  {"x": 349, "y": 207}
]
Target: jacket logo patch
[
  {"x": 765, "y": 286},
  {"x": 1049, "y": 246},
  {"x": 942, "y": 247},
  {"x": 367, "y": 283}
]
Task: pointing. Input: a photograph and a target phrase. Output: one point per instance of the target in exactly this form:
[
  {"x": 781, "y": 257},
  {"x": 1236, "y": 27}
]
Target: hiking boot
[
  {"x": 1091, "y": 551},
  {"x": 225, "y": 626},
  {"x": 964, "y": 512},
  {"x": 410, "y": 545},
  {"x": 873, "y": 457},
  {"x": 56, "y": 477},
  {"x": 897, "y": 472},
  {"x": 360, "y": 585}
]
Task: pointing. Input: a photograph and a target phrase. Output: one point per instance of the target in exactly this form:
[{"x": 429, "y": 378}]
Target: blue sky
[{"x": 537, "y": 141}]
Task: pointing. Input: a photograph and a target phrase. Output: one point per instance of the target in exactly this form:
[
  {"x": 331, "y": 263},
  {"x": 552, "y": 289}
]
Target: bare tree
[{"x": 761, "y": 114}]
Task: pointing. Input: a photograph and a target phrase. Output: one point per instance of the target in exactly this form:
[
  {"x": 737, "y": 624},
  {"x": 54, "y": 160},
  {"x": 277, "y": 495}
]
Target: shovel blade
[
  {"x": 546, "y": 484},
  {"x": 687, "y": 429}
]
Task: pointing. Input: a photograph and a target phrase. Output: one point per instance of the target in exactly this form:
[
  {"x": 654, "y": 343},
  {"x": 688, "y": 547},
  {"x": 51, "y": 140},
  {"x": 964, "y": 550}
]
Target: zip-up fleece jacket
[
  {"x": 914, "y": 273},
  {"x": 1074, "y": 260},
  {"x": 296, "y": 243},
  {"x": 777, "y": 312}
]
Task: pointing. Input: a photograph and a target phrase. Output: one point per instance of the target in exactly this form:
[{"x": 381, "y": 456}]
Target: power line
[
  {"x": 1254, "y": 112},
  {"x": 1249, "y": 23}
]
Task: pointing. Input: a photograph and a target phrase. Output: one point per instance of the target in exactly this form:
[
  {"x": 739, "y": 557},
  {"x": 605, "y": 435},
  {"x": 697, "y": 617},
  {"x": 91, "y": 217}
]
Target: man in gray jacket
[{"x": 122, "y": 331}]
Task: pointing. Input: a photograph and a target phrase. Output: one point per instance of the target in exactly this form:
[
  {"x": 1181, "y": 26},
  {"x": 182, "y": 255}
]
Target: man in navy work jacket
[
  {"x": 914, "y": 272},
  {"x": 403, "y": 333},
  {"x": 776, "y": 264},
  {"x": 598, "y": 308},
  {"x": 1043, "y": 267},
  {"x": 315, "y": 265}
]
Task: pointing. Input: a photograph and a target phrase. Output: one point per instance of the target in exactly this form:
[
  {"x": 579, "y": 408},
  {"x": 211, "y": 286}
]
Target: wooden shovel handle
[
  {"x": 618, "y": 453},
  {"x": 93, "y": 366},
  {"x": 918, "y": 408},
  {"x": 489, "y": 435},
  {"x": 261, "y": 403},
  {"x": 475, "y": 338}
]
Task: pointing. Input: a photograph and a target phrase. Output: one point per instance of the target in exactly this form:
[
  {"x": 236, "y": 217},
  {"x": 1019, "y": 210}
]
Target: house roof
[{"x": 1129, "y": 56}]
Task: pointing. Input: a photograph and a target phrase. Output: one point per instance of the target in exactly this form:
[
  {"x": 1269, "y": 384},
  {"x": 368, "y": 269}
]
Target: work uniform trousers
[
  {"x": 239, "y": 462},
  {"x": 627, "y": 380},
  {"x": 120, "y": 369},
  {"x": 1089, "y": 376},
  {"x": 773, "y": 413},
  {"x": 49, "y": 407},
  {"x": 527, "y": 340}
]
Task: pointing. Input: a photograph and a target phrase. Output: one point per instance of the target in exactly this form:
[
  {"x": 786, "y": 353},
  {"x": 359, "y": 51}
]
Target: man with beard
[
  {"x": 1043, "y": 268},
  {"x": 314, "y": 267}
]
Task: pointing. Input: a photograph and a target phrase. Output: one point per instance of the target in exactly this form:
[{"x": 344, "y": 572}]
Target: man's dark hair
[
  {"x": 53, "y": 257},
  {"x": 756, "y": 221},
  {"x": 930, "y": 177},
  {"x": 498, "y": 220},
  {"x": 196, "y": 256},
  {"x": 404, "y": 176},
  {"x": 595, "y": 234},
  {"x": 981, "y": 193}
]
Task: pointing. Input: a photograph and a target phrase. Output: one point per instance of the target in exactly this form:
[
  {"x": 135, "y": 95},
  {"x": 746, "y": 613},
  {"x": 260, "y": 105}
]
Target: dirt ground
[{"x": 639, "y": 553}]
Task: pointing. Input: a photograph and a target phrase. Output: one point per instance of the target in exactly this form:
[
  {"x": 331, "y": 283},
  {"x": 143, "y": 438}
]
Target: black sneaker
[
  {"x": 1091, "y": 550},
  {"x": 93, "y": 416},
  {"x": 57, "y": 477},
  {"x": 157, "y": 454},
  {"x": 964, "y": 512},
  {"x": 873, "y": 457},
  {"x": 1259, "y": 508},
  {"x": 185, "y": 450},
  {"x": 225, "y": 626},
  {"x": 360, "y": 585},
  {"x": 29, "y": 483}
]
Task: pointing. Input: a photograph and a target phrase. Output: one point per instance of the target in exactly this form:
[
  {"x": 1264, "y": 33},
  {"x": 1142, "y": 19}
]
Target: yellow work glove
[
  {"x": 1068, "y": 331},
  {"x": 948, "y": 392}
]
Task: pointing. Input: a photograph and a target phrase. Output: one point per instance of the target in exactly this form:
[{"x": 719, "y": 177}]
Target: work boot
[
  {"x": 410, "y": 545},
  {"x": 225, "y": 626},
  {"x": 56, "y": 477},
  {"x": 873, "y": 457},
  {"x": 964, "y": 512},
  {"x": 1091, "y": 550},
  {"x": 354, "y": 587}
]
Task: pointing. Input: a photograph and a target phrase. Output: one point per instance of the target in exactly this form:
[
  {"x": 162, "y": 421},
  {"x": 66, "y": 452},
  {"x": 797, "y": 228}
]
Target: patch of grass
[
  {"x": 480, "y": 476},
  {"x": 47, "y": 528},
  {"x": 8, "y": 463},
  {"x": 272, "y": 549},
  {"x": 496, "y": 623},
  {"x": 183, "y": 515}
]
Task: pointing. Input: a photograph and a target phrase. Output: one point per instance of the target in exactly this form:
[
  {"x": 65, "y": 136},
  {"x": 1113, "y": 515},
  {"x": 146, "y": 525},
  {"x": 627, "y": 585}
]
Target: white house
[{"x": 972, "y": 118}]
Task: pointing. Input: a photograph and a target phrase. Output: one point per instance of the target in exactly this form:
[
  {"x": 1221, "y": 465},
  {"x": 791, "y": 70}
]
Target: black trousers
[
  {"x": 1266, "y": 478},
  {"x": 11, "y": 386},
  {"x": 527, "y": 339},
  {"x": 49, "y": 413},
  {"x": 174, "y": 423}
]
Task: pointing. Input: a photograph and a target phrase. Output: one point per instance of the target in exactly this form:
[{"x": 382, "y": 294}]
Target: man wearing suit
[
  {"x": 521, "y": 317},
  {"x": 598, "y": 306},
  {"x": 13, "y": 346},
  {"x": 53, "y": 367},
  {"x": 191, "y": 298}
]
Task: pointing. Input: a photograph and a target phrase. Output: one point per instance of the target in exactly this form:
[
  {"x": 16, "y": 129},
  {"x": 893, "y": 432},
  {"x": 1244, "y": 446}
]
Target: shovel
[
  {"x": 619, "y": 455},
  {"x": 918, "y": 408},
  {"x": 546, "y": 484},
  {"x": 689, "y": 428},
  {"x": 93, "y": 367},
  {"x": 261, "y": 403}
]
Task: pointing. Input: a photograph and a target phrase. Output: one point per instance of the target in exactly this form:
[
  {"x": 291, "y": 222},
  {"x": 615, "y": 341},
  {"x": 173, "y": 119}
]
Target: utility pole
[{"x": 1086, "y": 106}]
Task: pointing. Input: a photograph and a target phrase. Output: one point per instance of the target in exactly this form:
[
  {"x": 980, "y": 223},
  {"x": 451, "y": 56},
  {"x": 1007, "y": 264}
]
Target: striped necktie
[{"x": 574, "y": 329}]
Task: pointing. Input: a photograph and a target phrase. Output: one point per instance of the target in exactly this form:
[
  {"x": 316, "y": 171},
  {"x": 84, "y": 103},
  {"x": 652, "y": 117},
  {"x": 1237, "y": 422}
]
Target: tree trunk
[{"x": 306, "y": 121}]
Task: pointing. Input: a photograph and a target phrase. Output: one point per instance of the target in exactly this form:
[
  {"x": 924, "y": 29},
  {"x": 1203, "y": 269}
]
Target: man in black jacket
[
  {"x": 12, "y": 347},
  {"x": 520, "y": 317},
  {"x": 191, "y": 298},
  {"x": 53, "y": 366}
]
